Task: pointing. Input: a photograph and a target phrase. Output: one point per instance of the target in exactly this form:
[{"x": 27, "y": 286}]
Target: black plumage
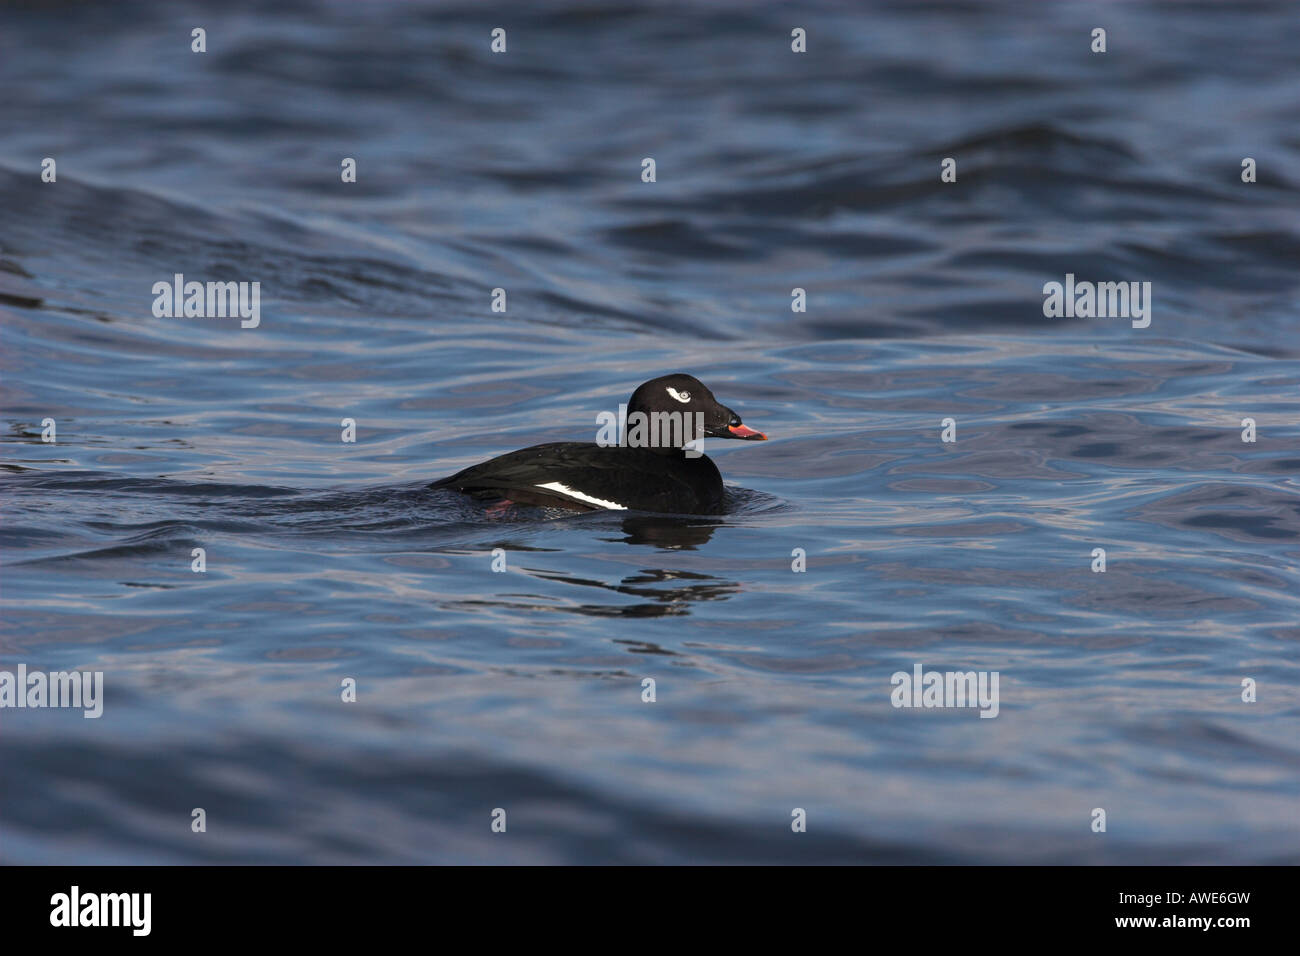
[{"x": 652, "y": 473}]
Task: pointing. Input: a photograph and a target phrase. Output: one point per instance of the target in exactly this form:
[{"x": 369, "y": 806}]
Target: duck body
[
  {"x": 641, "y": 473},
  {"x": 584, "y": 476}
]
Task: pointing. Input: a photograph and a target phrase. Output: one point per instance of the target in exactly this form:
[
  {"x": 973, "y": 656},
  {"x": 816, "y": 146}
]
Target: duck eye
[{"x": 682, "y": 397}]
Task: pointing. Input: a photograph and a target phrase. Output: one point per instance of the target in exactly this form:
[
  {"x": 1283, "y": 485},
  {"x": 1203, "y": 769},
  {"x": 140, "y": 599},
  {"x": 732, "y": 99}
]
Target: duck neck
[{"x": 665, "y": 433}]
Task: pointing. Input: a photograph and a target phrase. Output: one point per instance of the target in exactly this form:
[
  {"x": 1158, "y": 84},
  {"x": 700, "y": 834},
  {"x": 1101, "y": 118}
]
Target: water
[{"x": 522, "y": 690}]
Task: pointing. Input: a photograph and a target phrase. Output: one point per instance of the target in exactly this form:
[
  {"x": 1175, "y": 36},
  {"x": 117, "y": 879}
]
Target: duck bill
[{"x": 744, "y": 431}]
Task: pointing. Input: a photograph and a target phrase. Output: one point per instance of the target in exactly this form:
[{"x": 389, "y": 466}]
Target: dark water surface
[{"x": 522, "y": 690}]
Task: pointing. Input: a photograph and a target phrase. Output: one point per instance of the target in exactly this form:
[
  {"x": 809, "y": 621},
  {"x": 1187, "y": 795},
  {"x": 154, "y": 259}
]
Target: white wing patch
[
  {"x": 588, "y": 499},
  {"x": 682, "y": 397}
]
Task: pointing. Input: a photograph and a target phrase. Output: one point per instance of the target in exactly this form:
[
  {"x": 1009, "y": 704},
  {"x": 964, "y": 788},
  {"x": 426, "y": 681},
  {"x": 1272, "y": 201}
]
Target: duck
[{"x": 652, "y": 460}]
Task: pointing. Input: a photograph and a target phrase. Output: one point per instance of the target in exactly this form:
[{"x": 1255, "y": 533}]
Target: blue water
[{"x": 522, "y": 689}]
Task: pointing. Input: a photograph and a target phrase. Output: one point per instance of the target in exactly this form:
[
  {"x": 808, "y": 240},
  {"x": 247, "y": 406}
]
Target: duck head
[{"x": 679, "y": 409}]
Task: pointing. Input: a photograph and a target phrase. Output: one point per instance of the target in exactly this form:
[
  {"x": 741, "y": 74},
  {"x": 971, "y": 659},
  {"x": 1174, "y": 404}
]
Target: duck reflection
[
  {"x": 665, "y": 592},
  {"x": 662, "y": 592},
  {"x": 664, "y": 532}
]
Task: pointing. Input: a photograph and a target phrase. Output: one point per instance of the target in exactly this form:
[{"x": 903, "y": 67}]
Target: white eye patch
[{"x": 682, "y": 397}]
